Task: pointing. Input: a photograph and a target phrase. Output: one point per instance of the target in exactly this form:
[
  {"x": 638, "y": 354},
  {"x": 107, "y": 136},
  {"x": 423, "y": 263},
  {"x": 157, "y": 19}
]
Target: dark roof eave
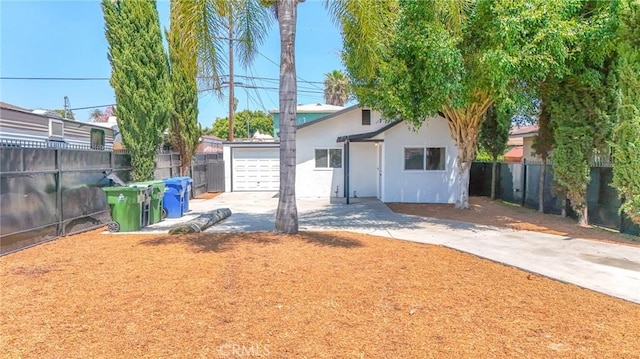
[
  {"x": 368, "y": 135},
  {"x": 329, "y": 116}
]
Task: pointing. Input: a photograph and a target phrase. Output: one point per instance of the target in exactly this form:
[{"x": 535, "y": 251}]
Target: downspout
[{"x": 346, "y": 170}]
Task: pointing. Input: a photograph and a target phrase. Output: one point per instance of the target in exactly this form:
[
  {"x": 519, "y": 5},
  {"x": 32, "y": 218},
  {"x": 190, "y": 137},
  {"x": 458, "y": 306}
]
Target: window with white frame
[
  {"x": 328, "y": 158},
  {"x": 424, "y": 158}
]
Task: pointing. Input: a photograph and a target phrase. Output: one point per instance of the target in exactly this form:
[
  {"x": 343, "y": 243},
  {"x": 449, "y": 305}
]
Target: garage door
[{"x": 256, "y": 169}]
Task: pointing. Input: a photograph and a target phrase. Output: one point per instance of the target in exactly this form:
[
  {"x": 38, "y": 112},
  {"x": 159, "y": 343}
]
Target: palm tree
[
  {"x": 96, "y": 115},
  {"x": 336, "y": 88},
  {"x": 361, "y": 19}
]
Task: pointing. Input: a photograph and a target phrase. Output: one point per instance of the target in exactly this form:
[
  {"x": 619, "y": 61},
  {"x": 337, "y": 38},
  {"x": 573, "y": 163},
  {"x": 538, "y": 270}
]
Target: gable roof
[
  {"x": 13, "y": 107},
  {"x": 367, "y": 135},
  {"x": 526, "y": 131},
  {"x": 313, "y": 108},
  {"x": 329, "y": 116}
]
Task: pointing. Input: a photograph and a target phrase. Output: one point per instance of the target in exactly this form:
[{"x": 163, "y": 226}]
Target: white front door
[{"x": 255, "y": 169}]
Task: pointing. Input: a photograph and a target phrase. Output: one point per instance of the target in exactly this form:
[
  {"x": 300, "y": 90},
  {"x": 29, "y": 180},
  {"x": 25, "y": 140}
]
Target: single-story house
[
  {"x": 354, "y": 153},
  {"x": 304, "y": 114},
  {"x": 528, "y": 135}
]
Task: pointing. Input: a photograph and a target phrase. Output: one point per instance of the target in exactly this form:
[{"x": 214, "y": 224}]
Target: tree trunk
[
  {"x": 287, "y": 213},
  {"x": 231, "y": 94},
  {"x": 583, "y": 216},
  {"x": 494, "y": 174},
  {"x": 543, "y": 173},
  {"x": 462, "y": 177}
]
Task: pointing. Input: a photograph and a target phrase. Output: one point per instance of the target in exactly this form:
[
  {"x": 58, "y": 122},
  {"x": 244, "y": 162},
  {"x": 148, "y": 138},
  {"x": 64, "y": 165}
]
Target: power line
[
  {"x": 107, "y": 78},
  {"x": 298, "y": 77},
  {"x": 90, "y": 107},
  {"x": 55, "y": 78}
]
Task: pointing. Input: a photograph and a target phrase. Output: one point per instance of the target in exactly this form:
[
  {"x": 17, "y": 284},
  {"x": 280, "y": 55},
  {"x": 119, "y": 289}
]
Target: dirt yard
[
  {"x": 500, "y": 214},
  {"x": 314, "y": 295}
]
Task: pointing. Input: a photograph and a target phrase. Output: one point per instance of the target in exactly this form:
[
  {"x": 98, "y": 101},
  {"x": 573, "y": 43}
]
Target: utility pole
[
  {"x": 231, "y": 97},
  {"x": 67, "y": 106}
]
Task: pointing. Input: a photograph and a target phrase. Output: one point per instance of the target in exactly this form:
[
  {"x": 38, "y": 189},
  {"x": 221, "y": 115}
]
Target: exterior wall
[
  {"x": 25, "y": 126},
  {"x": 301, "y": 117},
  {"x": 226, "y": 154},
  {"x": 418, "y": 186},
  {"x": 314, "y": 182},
  {"x": 527, "y": 149}
]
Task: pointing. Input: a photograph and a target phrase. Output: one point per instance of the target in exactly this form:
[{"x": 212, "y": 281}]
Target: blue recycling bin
[
  {"x": 173, "y": 200},
  {"x": 187, "y": 182}
]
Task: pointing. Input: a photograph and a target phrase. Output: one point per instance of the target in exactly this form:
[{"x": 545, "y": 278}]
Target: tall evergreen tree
[
  {"x": 139, "y": 78},
  {"x": 494, "y": 135},
  {"x": 582, "y": 105},
  {"x": 626, "y": 170},
  {"x": 183, "y": 124},
  {"x": 544, "y": 141}
]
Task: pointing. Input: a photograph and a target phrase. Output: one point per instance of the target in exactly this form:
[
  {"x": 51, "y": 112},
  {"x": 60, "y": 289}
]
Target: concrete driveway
[{"x": 608, "y": 268}]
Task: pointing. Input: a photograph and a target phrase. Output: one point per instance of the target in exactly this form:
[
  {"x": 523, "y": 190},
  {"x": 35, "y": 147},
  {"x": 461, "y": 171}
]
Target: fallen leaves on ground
[
  {"x": 313, "y": 295},
  {"x": 483, "y": 210}
]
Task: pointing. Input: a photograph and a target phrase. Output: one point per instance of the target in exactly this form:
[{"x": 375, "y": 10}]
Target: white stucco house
[{"x": 353, "y": 153}]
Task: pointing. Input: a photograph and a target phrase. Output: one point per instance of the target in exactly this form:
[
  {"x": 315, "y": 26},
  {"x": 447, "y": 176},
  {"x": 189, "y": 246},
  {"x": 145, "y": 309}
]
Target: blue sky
[{"x": 66, "y": 39}]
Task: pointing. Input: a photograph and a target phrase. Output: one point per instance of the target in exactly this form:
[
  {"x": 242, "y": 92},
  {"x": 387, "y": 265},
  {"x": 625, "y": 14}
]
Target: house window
[
  {"x": 56, "y": 129},
  {"x": 97, "y": 139},
  {"x": 366, "y": 117},
  {"x": 328, "y": 158},
  {"x": 424, "y": 159}
]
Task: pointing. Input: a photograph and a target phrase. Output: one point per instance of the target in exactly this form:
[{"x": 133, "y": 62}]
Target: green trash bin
[
  {"x": 129, "y": 208},
  {"x": 157, "y": 195}
]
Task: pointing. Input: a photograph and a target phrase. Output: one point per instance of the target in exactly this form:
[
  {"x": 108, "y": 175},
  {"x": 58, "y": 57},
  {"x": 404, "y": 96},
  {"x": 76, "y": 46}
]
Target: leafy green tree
[
  {"x": 336, "y": 88},
  {"x": 183, "y": 124},
  {"x": 139, "y": 78},
  {"x": 65, "y": 114},
  {"x": 543, "y": 143},
  {"x": 458, "y": 58},
  {"x": 96, "y": 115},
  {"x": 582, "y": 103},
  {"x": 494, "y": 135},
  {"x": 626, "y": 144},
  {"x": 246, "y": 124}
]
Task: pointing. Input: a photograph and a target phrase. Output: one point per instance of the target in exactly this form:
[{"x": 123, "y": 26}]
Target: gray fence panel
[
  {"x": 215, "y": 176},
  {"x": 602, "y": 198},
  {"x": 28, "y": 212},
  {"x": 46, "y": 193}
]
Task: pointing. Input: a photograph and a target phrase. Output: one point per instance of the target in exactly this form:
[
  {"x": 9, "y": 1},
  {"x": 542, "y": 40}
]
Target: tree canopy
[
  {"x": 626, "y": 142},
  {"x": 139, "y": 78},
  {"x": 246, "y": 124},
  {"x": 457, "y": 58}
]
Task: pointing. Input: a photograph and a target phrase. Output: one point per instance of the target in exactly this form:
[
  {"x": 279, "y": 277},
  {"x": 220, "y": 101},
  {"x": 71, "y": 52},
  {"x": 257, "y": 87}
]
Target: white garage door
[{"x": 256, "y": 169}]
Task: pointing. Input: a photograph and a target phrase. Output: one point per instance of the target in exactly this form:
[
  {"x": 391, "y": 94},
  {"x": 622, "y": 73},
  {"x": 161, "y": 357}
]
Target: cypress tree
[
  {"x": 626, "y": 144},
  {"x": 139, "y": 78}
]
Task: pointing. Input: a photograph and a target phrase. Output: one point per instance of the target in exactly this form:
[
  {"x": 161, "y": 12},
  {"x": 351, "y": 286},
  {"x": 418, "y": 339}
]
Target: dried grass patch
[{"x": 312, "y": 295}]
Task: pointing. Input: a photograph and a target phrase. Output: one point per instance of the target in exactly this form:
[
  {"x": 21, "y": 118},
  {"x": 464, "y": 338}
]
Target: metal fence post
[
  {"x": 59, "y": 198},
  {"x": 524, "y": 182}
]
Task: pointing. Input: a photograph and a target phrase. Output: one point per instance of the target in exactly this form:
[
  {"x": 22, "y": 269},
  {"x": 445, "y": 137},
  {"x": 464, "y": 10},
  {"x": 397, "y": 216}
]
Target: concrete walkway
[{"x": 608, "y": 268}]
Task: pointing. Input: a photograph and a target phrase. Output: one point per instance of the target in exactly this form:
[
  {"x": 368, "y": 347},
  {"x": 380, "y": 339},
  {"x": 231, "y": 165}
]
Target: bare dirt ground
[
  {"x": 313, "y": 295},
  {"x": 208, "y": 195},
  {"x": 500, "y": 214}
]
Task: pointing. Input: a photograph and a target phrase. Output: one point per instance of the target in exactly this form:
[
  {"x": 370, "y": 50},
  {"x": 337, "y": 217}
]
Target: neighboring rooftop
[
  {"x": 14, "y": 107},
  {"x": 314, "y": 107},
  {"x": 526, "y": 131}
]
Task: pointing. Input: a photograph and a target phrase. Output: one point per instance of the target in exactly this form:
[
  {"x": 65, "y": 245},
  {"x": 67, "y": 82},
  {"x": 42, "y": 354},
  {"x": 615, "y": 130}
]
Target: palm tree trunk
[
  {"x": 231, "y": 95},
  {"x": 287, "y": 213}
]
